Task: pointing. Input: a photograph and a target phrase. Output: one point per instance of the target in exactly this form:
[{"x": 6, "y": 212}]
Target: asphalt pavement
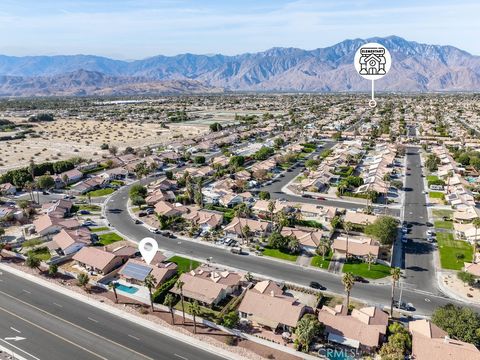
[{"x": 38, "y": 323}]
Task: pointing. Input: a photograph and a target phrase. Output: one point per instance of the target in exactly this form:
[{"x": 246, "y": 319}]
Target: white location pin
[{"x": 148, "y": 248}]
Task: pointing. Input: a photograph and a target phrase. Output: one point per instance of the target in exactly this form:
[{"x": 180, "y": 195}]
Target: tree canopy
[
  {"x": 459, "y": 322},
  {"x": 384, "y": 229}
]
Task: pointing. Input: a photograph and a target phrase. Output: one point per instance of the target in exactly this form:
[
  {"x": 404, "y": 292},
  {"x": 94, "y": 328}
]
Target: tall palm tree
[
  {"x": 246, "y": 234},
  {"x": 476, "y": 224},
  {"x": 348, "y": 281},
  {"x": 180, "y": 284},
  {"x": 347, "y": 226},
  {"x": 395, "y": 273},
  {"x": 32, "y": 262},
  {"x": 195, "y": 310},
  {"x": 112, "y": 285},
  {"x": 271, "y": 209},
  {"x": 323, "y": 246},
  {"x": 170, "y": 302},
  {"x": 149, "y": 283},
  {"x": 370, "y": 258}
]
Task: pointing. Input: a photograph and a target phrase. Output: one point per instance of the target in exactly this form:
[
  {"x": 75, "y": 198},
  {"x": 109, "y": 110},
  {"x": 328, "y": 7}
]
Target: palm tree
[
  {"x": 348, "y": 281},
  {"x": 195, "y": 310},
  {"x": 271, "y": 209},
  {"x": 323, "y": 246},
  {"x": 2, "y": 246},
  {"x": 242, "y": 210},
  {"x": 246, "y": 234},
  {"x": 180, "y": 284},
  {"x": 52, "y": 269},
  {"x": 32, "y": 262},
  {"x": 82, "y": 280},
  {"x": 370, "y": 258},
  {"x": 395, "y": 273},
  {"x": 149, "y": 283},
  {"x": 170, "y": 302},
  {"x": 476, "y": 224},
  {"x": 347, "y": 226},
  {"x": 308, "y": 327},
  {"x": 112, "y": 285}
]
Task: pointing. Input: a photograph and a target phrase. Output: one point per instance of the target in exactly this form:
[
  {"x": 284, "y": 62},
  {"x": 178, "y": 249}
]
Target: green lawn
[
  {"x": 450, "y": 249},
  {"x": 184, "y": 264},
  {"x": 89, "y": 207},
  {"x": 42, "y": 253},
  {"x": 117, "y": 183},
  {"x": 442, "y": 213},
  {"x": 205, "y": 312},
  {"x": 436, "y": 195},
  {"x": 32, "y": 242},
  {"x": 109, "y": 238},
  {"x": 101, "y": 192},
  {"x": 356, "y": 267},
  {"x": 432, "y": 178},
  {"x": 279, "y": 254},
  {"x": 441, "y": 224},
  {"x": 99, "y": 229},
  {"x": 319, "y": 262}
]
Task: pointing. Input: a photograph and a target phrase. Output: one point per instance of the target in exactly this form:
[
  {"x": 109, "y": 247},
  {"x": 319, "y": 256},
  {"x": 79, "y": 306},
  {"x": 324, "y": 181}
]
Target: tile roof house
[
  {"x": 164, "y": 208},
  {"x": 206, "y": 219},
  {"x": 208, "y": 286},
  {"x": 431, "y": 342},
  {"x": 97, "y": 260},
  {"x": 364, "y": 329},
  {"x": 70, "y": 241},
  {"x": 46, "y": 224},
  {"x": 357, "y": 246},
  {"x": 135, "y": 271},
  {"x": 359, "y": 218},
  {"x": 309, "y": 239},
  {"x": 59, "y": 209},
  {"x": 8, "y": 189},
  {"x": 257, "y": 227},
  {"x": 159, "y": 195},
  {"x": 266, "y": 305}
]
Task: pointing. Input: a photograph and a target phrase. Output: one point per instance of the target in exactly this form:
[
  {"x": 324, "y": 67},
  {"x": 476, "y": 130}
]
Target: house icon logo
[{"x": 372, "y": 61}]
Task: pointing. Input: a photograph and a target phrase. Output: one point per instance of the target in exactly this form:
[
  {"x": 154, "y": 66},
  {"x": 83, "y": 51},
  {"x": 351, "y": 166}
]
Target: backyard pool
[
  {"x": 471, "y": 179},
  {"x": 127, "y": 289}
]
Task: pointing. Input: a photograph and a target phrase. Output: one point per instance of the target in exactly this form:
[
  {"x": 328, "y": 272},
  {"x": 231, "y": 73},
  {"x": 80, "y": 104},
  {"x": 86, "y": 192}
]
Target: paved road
[
  {"x": 56, "y": 326},
  {"x": 119, "y": 218},
  {"x": 418, "y": 253}
]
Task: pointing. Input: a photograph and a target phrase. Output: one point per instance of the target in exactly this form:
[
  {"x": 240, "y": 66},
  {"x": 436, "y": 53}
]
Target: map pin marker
[{"x": 148, "y": 248}]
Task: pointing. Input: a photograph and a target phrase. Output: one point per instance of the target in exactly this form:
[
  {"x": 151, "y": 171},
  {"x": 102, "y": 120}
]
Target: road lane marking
[
  {"x": 181, "y": 357},
  {"x": 52, "y": 333},
  {"x": 134, "y": 337},
  {"x": 28, "y": 292},
  {"x": 75, "y": 325},
  {"x": 16, "y": 347},
  {"x": 18, "y": 331},
  {"x": 95, "y": 321},
  {"x": 57, "y": 305}
]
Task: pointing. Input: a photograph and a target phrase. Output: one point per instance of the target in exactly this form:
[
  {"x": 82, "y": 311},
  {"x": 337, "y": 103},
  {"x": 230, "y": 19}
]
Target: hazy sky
[{"x": 134, "y": 29}]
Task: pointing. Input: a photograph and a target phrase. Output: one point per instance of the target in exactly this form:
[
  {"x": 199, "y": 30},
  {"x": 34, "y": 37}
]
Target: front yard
[
  {"x": 442, "y": 224},
  {"x": 319, "y": 262},
  {"x": 360, "y": 268},
  {"x": 436, "y": 195},
  {"x": 109, "y": 238},
  {"x": 453, "y": 253},
  {"x": 184, "y": 264},
  {"x": 101, "y": 192},
  {"x": 41, "y": 253},
  {"x": 279, "y": 254}
]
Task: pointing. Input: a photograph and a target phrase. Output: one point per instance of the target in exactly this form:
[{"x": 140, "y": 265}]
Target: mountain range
[{"x": 416, "y": 67}]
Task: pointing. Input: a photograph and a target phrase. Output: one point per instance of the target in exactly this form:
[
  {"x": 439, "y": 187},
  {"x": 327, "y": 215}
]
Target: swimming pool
[
  {"x": 127, "y": 289},
  {"x": 471, "y": 179}
]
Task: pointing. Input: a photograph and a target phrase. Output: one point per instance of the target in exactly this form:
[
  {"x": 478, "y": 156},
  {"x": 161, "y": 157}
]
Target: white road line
[
  {"x": 18, "y": 331},
  {"x": 23, "y": 351},
  {"x": 181, "y": 357},
  {"x": 89, "y": 318},
  {"x": 133, "y": 337},
  {"x": 57, "y": 305},
  {"x": 28, "y": 292}
]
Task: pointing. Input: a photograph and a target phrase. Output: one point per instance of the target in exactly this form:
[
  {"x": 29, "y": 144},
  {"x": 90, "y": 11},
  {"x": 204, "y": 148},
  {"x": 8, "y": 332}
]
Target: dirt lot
[{"x": 63, "y": 139}]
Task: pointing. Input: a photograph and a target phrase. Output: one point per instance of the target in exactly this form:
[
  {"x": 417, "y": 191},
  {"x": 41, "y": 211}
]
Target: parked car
[
  {"x": 430, "y": 232},
  {"x": 361, "y": 279},
  {"x": 150, "y": 211},
  {"x": 142, "y": 214},
  {"x": 236, "y": 250},
  {"x": 136, "y": 221},
  {"x": 84, "y": 212},
  {"x": 403, "y": 306},
  {"x": 155, "y": 231},
  {"x": 316, "y": 285},
  {"x": 88, "y": 223}
]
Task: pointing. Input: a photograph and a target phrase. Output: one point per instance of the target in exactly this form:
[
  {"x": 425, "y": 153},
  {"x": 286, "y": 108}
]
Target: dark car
[
  {"x": 307, "y": 196},
  {"x": 142, "y": 214},
  {"x": 361, "y": 279},
  {"x": 316, "y": 285},
  {"x": 84, "y": 212},
  {"x": 137, "y": 221},
  {"x": 403, "y": 306}
]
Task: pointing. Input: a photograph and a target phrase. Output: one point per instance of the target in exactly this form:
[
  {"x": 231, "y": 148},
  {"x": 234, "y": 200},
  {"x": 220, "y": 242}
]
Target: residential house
[
  {"x": 58, "y": 209},
  {"x": 358, "y": 246},
  {"x": 68, "y": 242},
  {"x": 257, "y": 227},
  {"x": 135, "y": 271},
  {"x": 208, "y": 286},
  {"x": 363, "y": 329},
  {"x": 265, "y": 305},
  {"x": 46, "y": 224},
  {"x": 159, "y": 195},
  {"x": 323, "y": 214},
  {"x": 97, "y": 260},
  {"x": 205, "y": 219},
  {"x": 359, "y": 218},
  {"x": 164, "y": 208},
  {"x": 431, "y": 342},
  {"x": 8, "y": 189},
  {"x": 309, "y": 239}
]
